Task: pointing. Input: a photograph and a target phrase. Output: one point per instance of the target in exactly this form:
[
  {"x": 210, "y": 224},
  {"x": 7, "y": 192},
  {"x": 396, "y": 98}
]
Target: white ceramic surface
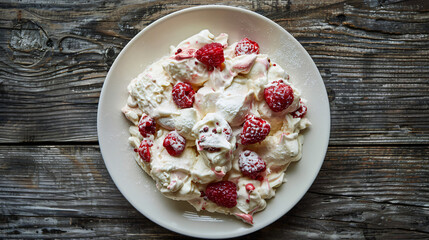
[{"x": 151, "y": 44}]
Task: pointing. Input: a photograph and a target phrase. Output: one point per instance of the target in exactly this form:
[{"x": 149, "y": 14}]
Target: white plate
[{"x": 151, "y": 44}]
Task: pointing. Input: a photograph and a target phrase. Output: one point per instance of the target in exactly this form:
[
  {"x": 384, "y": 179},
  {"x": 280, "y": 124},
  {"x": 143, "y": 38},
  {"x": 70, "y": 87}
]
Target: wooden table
[{"x": 373, "y": 57}]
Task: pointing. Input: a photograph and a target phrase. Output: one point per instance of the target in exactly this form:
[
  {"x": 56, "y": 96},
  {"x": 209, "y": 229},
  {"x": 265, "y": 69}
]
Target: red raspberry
[
  {"x": 278, "y": 96},
  {"x": 251, "y": 165},
  {"x": 301, "y": 111},
  {"x": 254, "y": 130},
  {"x": 144, "y": 150},
  {"x": 183, "y": 95},
  {"x": 211, "y": 54},
  {"x": 222, "y": 193},
  {"x": 147, "y": 126},
  {"x": 174, "y": 143},
  {"x": 246, "y": 46}
]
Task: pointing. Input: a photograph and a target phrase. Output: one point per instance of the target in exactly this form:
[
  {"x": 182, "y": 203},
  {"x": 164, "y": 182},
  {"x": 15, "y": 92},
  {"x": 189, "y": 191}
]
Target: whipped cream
[{"x": 224, "y": 96}]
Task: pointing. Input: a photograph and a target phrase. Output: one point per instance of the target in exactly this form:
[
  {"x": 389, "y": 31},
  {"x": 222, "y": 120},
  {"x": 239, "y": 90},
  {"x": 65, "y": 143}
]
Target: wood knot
[
  {"x": 49, "y": 43},
  {"x": 28, "y": 42},
  {"x": 341, "y": 18},
  {"x": 27, "y": 36},
  {"x": 110, "y": 55}
]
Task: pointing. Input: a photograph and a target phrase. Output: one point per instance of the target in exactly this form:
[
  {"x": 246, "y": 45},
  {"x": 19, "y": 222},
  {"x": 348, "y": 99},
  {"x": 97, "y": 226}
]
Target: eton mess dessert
[{"x": 216, "y": 124}]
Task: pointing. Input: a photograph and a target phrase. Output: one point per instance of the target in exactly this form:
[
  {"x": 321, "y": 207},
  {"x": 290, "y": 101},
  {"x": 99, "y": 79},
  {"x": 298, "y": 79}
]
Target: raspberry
[
  {"x": 254, "y": 130},
  {"x": 301, "y": 111},
  {"x": 211, "y": 54},
  {"x": 183, "y": 95},
  {"x": 278, "y": 96},
  {"x": 222, "y": 193},
  {"x": 251, "y": 165},
  {"x": 246, "y": 46},
  {"x": 147, "y": 126},
  {"x": 174, "y": 143},
  {"x": 144, "y": 150}
]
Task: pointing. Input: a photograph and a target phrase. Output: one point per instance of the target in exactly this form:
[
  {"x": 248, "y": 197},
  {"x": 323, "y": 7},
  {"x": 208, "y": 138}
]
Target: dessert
[{"x": 216, "y": 124}]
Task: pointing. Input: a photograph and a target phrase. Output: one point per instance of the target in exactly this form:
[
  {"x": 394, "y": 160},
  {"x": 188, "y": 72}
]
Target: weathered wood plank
[
  {"x": 289, "y": 226},
  {"x": 397, "y": 174},
  {"x": 372, "y": 56},
  {"x": 361, "y": 192}
]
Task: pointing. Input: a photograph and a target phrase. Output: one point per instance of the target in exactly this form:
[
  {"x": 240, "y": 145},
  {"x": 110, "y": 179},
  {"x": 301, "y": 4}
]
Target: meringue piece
[
  {"x": 131, "y": 102},
  {"x": 152, "y": 91},
  {"x": 219, "y": 79},
  {"x": 180, "y": 187},
  {"x": 279, "y": 149},
  {"x": 249, "y": 201},
  {"x": 185, "y": 121},
  {"x": 166, "y": 122},
  {"x": 196, "y": 41},
  {"x": 229, "y": 52},
  {"x": 186, "y": 70},
  {"x": 215, "y": 142},
  {"x": 134, "y": 131},
  {"x": 275, "y": 72},
  {"x": 243, "y": 64},
  {"x": 205, "y": 100},
  {"x": 259, "y": 74},
  {"x": 201, "y": 171},
  {"x": 132, "y": 114},
  {"x": 235, "y": 108},
  {"x": 222, "y": 39}
]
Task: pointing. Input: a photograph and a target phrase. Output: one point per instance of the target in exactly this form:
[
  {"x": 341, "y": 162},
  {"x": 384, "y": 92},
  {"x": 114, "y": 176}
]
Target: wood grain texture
[
  {"x": 66, "y": 192},
  {"x": 373, "y": 57}
]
